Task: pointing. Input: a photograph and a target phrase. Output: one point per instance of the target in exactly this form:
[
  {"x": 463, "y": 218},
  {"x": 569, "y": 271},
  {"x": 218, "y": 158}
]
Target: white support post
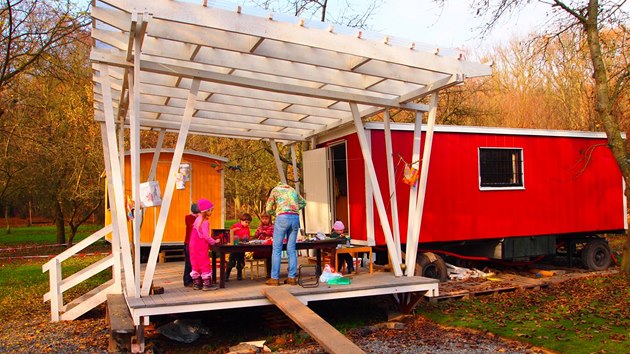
[
  {"x": 170, "y": 186},
  {"x": 56, "y": 296},
  {"x": 412, "y": 245},
  {"x": 276, "y": 156},
  {"x": 378, "y": 198},
  {"x": 117, "y": 181},
  {"x": 296, "y": 181},
  {"x": 296, "y": 176},
  {"x": 156, "y": 155},
  {"x": 116, "y": 269},
  {"x": 393, "y": 200},
  {"x": 413, "y": 190},
  {"x": 134, "y": 147}
]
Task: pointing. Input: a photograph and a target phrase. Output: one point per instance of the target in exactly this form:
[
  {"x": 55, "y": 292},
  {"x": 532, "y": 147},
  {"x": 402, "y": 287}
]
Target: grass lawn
[{"x": 590, "y": 315}]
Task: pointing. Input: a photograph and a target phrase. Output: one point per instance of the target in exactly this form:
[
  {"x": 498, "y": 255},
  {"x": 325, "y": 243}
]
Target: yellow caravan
[{"x": 200, "y": 176}]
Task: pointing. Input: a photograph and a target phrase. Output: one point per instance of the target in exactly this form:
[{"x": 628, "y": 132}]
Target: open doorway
[{"x": 339, "y": 173}]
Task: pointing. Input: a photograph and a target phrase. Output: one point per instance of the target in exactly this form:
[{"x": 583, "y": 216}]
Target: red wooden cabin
[{"x": 510, "y": 194}]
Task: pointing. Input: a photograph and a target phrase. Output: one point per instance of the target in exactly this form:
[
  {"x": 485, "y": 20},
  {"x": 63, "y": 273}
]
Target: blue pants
[{"x": 287, "y": 226}]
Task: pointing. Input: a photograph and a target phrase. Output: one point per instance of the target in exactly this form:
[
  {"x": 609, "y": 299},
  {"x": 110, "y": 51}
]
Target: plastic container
[{"x": 236, "y": 240}]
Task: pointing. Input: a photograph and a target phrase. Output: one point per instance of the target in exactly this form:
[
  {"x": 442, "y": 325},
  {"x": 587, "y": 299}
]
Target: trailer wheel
[
  {"x": 430, "y": 265},
  {"x": 596, "y": 255}
]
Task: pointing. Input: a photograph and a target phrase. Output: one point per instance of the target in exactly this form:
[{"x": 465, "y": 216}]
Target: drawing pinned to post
[{"x": 150, "y": 194}]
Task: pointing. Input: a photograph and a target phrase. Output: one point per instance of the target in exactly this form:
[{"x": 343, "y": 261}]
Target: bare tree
[
  {"x": 351, "y": 13},
  {"x": 591, "y": 17}
]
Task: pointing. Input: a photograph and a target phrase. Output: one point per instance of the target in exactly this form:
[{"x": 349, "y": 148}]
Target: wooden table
[
  {"x": 352, "y": 250},
  {"x": 219, "y": 250}
]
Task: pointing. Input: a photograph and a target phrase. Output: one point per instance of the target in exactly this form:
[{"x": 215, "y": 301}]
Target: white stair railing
[{"x": 58, "y": 285}]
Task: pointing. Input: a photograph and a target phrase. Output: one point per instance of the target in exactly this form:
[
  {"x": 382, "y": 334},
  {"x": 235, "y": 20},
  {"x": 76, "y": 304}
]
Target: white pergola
[{"x": 220, "y": 70}]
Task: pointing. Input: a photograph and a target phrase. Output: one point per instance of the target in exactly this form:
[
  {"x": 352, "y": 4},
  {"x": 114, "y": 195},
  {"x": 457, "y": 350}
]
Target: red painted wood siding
[{"x": 565, "y": 190}]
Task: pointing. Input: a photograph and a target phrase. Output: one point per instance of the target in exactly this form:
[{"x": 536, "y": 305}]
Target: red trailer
[{"x": 496, "y": 193}]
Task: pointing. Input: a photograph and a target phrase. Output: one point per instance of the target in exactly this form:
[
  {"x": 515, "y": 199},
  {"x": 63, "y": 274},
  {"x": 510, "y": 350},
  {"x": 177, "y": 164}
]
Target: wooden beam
[
  {"x": 174, "y": 68},
  {"x": 134, "y": 142},
  {"x": 412, "y": 245},
  {"x": 326, "y": 335},
  {"x": 177, "y": 12},
  {"x": 170, "y": 188},
  {"x": 378, "y": 197},
  {"x": 276, "y": 157},
  {"x": 393, "y": 200},
  {"x": 156, "y": 155},
  {"x": 115, "y": 236},
  {"x": 413, "y": 190},
  {"x": 117, "y": 181}
]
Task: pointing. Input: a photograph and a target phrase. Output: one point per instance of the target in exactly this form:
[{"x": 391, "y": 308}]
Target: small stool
[{"x": 255, "y": 264}]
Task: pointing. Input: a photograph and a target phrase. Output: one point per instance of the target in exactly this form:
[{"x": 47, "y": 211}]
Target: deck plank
[{"x": 325, "y": 334}]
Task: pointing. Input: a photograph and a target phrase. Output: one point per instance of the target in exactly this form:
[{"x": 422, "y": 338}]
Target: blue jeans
[{"x": 287, "y": 225}]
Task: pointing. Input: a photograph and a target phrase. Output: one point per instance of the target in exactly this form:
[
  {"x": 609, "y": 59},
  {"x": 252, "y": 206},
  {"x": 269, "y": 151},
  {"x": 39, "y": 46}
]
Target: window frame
[{"x": 500, "y": 187}]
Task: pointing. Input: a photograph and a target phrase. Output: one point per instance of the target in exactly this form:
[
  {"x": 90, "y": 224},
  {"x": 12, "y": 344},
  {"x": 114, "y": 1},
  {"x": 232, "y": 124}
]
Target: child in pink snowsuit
[{"x": 200, "y": 242}]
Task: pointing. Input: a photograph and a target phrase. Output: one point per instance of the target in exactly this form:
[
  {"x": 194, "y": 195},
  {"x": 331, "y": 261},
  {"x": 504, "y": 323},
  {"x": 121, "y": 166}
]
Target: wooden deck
[{"x": 248, "y": 293}]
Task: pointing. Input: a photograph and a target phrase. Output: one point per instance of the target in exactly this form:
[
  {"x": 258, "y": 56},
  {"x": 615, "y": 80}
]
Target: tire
[
  {"x": 596, "y": 255},
  {"x": 430, "y": 265}
]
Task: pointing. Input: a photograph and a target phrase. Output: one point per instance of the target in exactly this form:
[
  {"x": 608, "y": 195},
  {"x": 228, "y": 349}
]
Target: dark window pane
[{"x": 500, "y": 167}]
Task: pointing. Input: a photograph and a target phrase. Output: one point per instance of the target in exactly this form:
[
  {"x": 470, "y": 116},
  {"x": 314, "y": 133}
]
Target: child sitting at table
[
  {"x": 237, "y": 259},
  {"x": 337, "y": 232},
  {"x": 265, "y": 229}
]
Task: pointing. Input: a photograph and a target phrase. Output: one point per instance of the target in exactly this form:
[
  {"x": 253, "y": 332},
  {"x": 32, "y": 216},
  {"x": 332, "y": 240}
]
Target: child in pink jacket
[{"x": 200, "y": 242}]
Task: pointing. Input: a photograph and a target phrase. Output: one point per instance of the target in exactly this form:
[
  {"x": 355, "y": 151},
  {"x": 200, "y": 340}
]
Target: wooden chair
[{"x": 255, "y": 265}]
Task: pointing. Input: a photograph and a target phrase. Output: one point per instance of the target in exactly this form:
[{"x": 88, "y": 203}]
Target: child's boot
[
  {"x": 239, "y": 274},
  {"x": 207, "y": 284},
  {"x": 197, "y": 283},
  {"x": 196, "y": 277}
]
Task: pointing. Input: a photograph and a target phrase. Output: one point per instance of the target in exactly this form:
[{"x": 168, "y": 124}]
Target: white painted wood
[
  {"x": 156, "y": 155},
  {"x": 119, "y": 208},
  {"x": 276, "y": 157},
  {"x": 369, "y": 202},
  {"x": 378, "y": 198},
  {"x": 175, "y": 68},
  {"x": 412, "y": 245},
  {"x": 87, "y": 304},
  {"x": 78, "y": 247},
  {"x": 169, "y": 189},
  {"x": 316, "y": 190},
  {"x": 115, "y": 238},
  {"x": 391, "y": 178},
  {"x": 413, "y": 190},
  {"x": 56, "y": 296},
  {"x": 496, "y": 131},
  {"x": 86, "y": 273},
  {"x": 296, "y": 177},
  {"x": 288, "y": 32},
  {"x": 173, "y": 126},
  {"x": 134, "y": 142}
]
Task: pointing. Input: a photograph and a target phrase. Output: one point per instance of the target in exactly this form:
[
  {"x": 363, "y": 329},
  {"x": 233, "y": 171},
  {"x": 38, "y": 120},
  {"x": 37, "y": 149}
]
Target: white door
[{"x": 317, "y": 190}]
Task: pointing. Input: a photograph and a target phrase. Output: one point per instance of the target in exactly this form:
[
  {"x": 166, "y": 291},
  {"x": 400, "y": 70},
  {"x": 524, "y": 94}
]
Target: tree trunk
[
  {"x": 59, "y": 224},
  {"x": 6, "y": 218},
  {"x": 603, "y": 107}
]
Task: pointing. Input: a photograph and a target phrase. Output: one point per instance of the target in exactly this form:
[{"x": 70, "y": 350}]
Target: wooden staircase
[{"x": 58, "y": 285}]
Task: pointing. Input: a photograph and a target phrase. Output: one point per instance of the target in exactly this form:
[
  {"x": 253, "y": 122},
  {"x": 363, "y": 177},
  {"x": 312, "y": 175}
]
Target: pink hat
[
  {"x": 204, "y": 205},
  {"x": 338, "y": 225}
]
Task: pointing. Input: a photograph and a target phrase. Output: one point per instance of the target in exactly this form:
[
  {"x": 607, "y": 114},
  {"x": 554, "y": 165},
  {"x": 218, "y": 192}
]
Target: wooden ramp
[{"x": 325, "y": 334}]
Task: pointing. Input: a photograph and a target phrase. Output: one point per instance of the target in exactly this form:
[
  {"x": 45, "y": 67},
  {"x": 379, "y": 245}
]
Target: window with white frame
[{"x": 500, "y": 167}]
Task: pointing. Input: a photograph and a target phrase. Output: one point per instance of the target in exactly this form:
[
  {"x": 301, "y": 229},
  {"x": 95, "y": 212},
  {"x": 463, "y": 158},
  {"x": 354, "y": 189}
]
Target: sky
[{"x": 453, "y": 26}]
